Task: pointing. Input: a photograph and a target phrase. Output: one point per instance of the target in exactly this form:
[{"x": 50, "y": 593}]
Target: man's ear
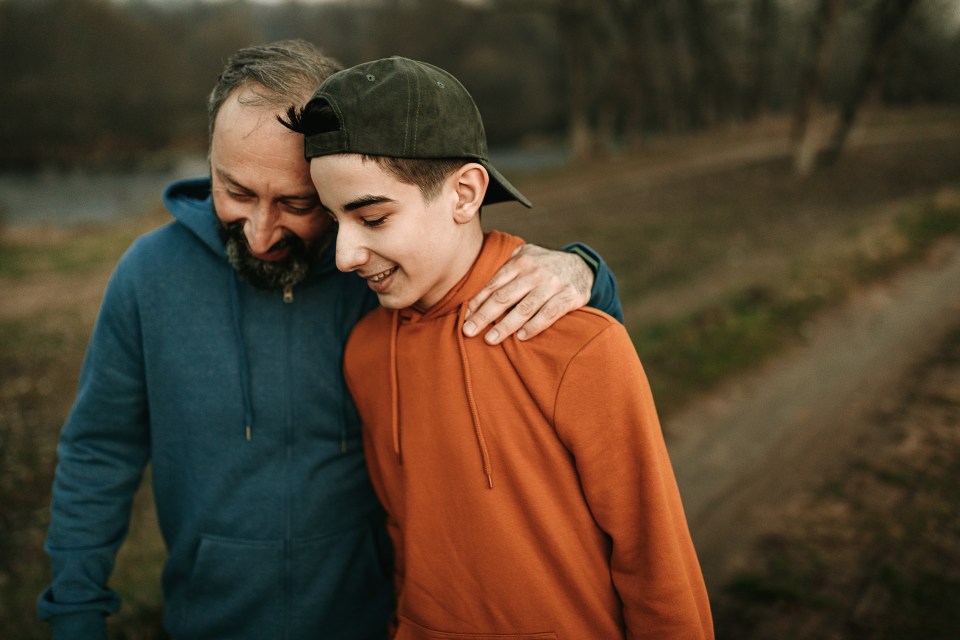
[{"x": 471, "y": 182}]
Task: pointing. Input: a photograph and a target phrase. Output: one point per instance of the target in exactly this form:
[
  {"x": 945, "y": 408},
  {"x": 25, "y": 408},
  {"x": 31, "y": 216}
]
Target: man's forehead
[{"x": 242, "y": 121}]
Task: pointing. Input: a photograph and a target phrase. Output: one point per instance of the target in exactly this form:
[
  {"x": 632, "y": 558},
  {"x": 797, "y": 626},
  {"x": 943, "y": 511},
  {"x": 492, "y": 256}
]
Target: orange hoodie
[{"x": 528, "y": 487}]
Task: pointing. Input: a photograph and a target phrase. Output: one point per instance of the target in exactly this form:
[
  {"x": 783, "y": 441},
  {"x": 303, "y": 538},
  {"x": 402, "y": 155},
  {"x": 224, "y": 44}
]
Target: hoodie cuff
[
  {"x": 88, "y": 625},
  {"x": 586, "y": 254},
  {"x": 604, "y": 295}
]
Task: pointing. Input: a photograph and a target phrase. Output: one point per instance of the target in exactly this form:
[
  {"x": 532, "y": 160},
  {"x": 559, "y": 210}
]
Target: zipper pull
[{"x": 288, "y": 293}]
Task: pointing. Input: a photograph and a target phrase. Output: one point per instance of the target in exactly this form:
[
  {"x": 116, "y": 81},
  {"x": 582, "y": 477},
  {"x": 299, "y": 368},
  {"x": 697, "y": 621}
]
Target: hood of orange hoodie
[{"x": 497, "y": 249}]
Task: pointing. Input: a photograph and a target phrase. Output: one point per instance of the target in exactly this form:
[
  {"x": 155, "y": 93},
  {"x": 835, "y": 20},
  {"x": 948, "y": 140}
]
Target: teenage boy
[{"x": 528, "y": 488}]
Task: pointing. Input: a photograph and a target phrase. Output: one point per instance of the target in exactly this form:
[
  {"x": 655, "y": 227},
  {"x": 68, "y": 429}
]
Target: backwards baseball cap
[{"x": 403, "y": 108}]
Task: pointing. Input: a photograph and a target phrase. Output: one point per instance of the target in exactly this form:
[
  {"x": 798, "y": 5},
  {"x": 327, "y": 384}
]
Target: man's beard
[{"x": 270, "y": 274}]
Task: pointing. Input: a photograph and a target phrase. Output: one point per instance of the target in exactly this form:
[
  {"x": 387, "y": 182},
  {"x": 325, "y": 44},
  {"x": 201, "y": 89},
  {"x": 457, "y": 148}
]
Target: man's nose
[
  {"x": 351, "y": 255},
  {"x": 262, "y": 231}
]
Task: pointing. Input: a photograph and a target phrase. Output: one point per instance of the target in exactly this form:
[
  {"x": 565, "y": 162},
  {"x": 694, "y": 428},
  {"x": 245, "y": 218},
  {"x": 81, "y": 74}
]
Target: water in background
[{"x": 73, "y": 198}]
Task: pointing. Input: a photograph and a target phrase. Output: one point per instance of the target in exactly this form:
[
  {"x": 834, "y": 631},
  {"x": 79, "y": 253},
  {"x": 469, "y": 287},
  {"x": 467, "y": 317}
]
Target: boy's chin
[
  {"x": 394, "y": 301},
  {"x": 391, "y": 302}
]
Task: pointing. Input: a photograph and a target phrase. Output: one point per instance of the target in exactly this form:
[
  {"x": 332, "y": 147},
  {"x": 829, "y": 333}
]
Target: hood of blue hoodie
[{"x": 190, "y": 202}]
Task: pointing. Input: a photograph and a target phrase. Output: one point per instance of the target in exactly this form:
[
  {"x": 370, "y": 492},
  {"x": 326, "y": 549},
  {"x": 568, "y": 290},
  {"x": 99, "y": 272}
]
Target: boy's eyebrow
[{"x": 366, "y": 201}]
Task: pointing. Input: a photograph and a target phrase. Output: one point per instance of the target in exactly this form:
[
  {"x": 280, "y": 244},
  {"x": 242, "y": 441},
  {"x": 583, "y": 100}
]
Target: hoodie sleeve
[
  {"x": 604, "y": 294},
  {"x": 606, "y": 416},
  {"x": 102, "y": 452}
]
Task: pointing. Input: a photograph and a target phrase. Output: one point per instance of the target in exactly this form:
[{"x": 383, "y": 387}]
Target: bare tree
[
  {"x": 574, "y": 26},
  {"x": 706, "y": 64},
  {"x": 627, "y": 43},
  {"x": 811, "y": 84},
  {"x": 763, "y": 40},
  {"x": 889, "y": 16}
]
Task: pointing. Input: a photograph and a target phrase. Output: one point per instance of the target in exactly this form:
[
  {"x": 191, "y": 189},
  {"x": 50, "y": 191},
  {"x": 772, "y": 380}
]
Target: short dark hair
[{"x": 427, "y": 174}]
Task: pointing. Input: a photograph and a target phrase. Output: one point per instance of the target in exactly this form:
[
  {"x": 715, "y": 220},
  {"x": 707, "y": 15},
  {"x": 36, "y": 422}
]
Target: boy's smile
[
  {"x": 381, "y": 276},
  {"x": 408, "y": 249}
]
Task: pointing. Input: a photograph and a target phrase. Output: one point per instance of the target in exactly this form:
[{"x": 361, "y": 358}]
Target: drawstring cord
[
  {"x": 474, "y": 413},
  {"x": 394, "y": 390},
  {"x": 241, "y": 349}
]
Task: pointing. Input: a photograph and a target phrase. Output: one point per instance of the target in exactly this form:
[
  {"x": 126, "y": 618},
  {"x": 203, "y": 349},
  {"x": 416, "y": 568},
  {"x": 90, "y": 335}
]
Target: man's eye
[
  {"x": 375, "y": 222},
  {"x": 236, "y": 195},
  {"x": 301, "y": 210}
]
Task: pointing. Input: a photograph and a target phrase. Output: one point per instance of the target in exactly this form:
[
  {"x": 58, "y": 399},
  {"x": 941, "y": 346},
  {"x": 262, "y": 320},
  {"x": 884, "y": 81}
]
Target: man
[{"x": 217, "y": 357}]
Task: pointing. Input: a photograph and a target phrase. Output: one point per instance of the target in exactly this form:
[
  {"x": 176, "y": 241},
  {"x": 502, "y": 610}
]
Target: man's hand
[{"x": 537, "y": 285}]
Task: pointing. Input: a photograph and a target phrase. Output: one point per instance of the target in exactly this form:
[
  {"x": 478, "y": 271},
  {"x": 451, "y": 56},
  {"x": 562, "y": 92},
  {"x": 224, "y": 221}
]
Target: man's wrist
[{"x": 586, "y": 254}]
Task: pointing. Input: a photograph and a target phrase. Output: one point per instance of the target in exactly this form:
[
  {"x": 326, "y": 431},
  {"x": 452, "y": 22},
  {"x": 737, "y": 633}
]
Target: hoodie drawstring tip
[{"x": 247, "y": 431}]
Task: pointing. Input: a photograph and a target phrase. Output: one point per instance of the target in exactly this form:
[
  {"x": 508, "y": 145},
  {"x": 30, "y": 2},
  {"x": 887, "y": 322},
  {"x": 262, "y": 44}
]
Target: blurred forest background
[
  {"x": 746, "y": 167},
  {"x": 99, "y": 83}
]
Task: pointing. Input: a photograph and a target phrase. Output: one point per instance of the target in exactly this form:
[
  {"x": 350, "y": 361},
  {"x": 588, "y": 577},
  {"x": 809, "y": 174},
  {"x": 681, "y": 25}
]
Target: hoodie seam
[{"x": 570, "y": 361}]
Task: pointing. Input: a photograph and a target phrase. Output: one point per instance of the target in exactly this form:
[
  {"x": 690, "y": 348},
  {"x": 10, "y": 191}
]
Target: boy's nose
[{"x": 350, "y": 255}]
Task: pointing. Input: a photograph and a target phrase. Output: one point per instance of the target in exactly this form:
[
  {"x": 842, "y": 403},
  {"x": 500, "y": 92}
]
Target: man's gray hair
[{"x": 281, "y": 74}]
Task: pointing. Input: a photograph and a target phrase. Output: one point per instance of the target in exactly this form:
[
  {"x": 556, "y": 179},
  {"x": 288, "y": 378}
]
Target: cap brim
[{"x": 500, "y": 189}]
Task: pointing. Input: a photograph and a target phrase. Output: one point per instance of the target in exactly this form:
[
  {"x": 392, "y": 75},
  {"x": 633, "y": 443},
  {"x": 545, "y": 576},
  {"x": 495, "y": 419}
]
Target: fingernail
[
  {"x": 522, "y": 334},
  {"x": 491, "y": 336},
  {"x": 469, "y": 328}
]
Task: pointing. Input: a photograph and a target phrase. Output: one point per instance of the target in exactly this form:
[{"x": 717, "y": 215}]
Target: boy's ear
[{"x": 471, "y": 182}]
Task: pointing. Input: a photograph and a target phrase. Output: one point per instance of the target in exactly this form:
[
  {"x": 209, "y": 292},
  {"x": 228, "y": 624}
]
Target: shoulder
[
  {"x": 167, "y": 259},
  {"x": 584, "y": 333},
  {"x": 368, "y": 349},
  {"x": 369, "y": 335},
  {"x": 373, "y": 323},
  {"x": 164, "y": 245},
  {"x": 575, "y": 330}
]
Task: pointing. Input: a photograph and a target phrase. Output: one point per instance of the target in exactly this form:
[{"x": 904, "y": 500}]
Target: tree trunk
[
  {"x": 890, "y": 15},
  {"x": 811, "y": 83},
  {"x": 705, "y": 106},
  {"x": 572, "y": 21},
  {"x": 764, "y": 25},
  {"x": 627, "y": 47}
]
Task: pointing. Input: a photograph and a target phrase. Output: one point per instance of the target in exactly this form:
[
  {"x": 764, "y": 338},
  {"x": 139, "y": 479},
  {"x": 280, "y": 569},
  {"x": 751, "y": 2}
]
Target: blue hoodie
[{"x": 236, "y": 398}]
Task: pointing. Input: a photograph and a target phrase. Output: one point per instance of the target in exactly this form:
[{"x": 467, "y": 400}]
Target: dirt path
[{"x": 758, "y": 440}]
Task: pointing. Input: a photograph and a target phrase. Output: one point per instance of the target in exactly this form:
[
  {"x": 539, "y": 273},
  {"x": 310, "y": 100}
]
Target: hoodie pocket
[
  {"x": 235, "y": 590},
  {"x": 410, "y": 630},
  {"x": 342, "y": 584}
]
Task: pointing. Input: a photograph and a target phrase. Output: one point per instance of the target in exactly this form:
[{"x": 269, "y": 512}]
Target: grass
[
  {"x": 693, "y": 352},
  {"x": 40, "y": 357},
  {"x": 719, "y": 269},
  {"x": 47, "y": 252}
]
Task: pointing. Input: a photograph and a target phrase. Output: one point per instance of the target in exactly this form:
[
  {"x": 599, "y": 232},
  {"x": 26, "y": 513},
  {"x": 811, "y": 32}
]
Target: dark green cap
[{"x": 402, "y": 108}]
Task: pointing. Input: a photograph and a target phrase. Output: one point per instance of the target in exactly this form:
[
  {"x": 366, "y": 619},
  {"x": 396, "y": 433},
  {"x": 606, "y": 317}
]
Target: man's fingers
[
  {"x": 534, "y": 288},
  {"x": 494, "y": 304},
  {"x": 501, "y": 278},
  {"x": 548, "y": 313}
]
